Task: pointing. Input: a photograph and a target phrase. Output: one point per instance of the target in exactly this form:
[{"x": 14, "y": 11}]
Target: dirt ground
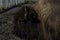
[{"x": 6, "y": 26}]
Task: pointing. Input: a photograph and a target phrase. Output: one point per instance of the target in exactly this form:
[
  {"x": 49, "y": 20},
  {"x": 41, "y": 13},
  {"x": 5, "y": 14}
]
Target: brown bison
[{"x": 41, "y": 21}]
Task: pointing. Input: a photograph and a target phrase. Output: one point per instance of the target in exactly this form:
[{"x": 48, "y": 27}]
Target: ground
[{"x": 6, "y": 25}]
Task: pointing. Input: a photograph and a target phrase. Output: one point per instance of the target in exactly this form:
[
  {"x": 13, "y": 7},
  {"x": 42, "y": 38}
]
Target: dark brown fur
[{"x": 28, "y": 29}]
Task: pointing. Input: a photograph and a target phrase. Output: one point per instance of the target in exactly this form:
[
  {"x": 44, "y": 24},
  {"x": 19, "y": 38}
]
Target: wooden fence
[{"x": 8, "y": 3}]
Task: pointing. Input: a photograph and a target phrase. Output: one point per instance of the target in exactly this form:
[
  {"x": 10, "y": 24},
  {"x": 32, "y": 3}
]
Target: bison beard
[{"x": 26, "y": 24}]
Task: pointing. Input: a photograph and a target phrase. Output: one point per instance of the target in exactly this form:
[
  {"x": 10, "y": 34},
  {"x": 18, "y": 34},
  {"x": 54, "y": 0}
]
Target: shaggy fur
[{"x": 49, "y": 13}]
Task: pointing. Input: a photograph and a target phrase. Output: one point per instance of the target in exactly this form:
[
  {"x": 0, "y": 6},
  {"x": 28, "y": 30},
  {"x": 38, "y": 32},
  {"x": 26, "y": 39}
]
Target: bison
[{"x": 41, "y": 21}]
